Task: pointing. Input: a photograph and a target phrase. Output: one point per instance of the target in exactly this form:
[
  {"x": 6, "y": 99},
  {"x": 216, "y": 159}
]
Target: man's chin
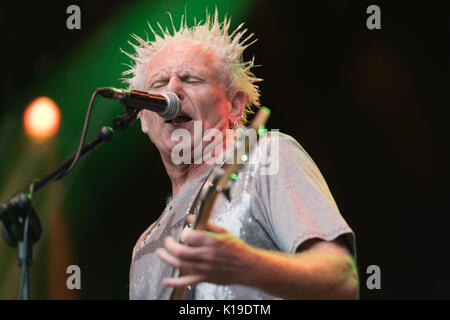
[{"x": 176, "y": 133}]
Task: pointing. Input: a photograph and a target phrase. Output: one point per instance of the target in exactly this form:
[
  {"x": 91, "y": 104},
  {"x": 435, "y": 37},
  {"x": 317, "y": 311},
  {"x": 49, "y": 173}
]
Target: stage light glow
[{"x": 41, "y": 118}]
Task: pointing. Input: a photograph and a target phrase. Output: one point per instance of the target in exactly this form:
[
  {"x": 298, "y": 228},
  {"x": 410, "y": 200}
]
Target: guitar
[{"x": 220, "y": 180}]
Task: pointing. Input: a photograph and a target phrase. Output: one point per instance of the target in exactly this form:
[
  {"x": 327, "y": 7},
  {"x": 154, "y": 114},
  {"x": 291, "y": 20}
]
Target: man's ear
[
  {"x": 238, "y": 102},
  {"x": 144, "y": 126}
]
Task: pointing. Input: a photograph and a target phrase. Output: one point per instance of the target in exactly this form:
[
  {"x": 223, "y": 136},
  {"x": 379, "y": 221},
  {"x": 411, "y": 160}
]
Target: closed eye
[
  {"x": 191, "y": 79},
  {"x": 187, "y": 79},
  {"x": 159, "y": 84}
]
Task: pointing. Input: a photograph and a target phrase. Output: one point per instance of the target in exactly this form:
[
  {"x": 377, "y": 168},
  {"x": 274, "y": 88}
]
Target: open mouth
[{"x": 180, "y": 119}]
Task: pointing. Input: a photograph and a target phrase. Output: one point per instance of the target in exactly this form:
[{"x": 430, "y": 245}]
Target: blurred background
[{"x": 370, "y": 107}]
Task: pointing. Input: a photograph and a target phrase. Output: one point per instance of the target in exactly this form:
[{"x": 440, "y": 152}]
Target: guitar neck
[{"x": 220, "y": 183}]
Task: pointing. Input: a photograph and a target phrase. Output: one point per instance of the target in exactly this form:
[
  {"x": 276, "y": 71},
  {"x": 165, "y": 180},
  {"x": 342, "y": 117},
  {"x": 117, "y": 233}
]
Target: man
[{"x": 281, "y": 235}]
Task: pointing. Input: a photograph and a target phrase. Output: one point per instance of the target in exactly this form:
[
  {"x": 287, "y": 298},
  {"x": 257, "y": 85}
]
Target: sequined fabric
[{"x": 271, "y": 211}]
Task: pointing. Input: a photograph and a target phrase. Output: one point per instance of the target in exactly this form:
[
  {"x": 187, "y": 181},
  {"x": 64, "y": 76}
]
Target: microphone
[{"x": 167, "y": 105}]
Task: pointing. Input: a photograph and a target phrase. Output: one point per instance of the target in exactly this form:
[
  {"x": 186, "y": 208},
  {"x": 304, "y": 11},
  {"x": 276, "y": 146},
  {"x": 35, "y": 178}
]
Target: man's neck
[{"x": 183, "y": 175}]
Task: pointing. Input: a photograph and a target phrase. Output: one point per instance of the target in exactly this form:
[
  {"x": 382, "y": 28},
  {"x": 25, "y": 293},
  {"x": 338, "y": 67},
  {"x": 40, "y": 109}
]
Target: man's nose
[{"x": 175, "y": 85}]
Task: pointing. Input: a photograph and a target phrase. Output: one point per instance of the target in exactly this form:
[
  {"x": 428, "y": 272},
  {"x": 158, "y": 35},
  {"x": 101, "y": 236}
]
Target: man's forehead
[
  {"x": 188, "y": 45},
  {"x": 184, "y": 55},
  {"x": 181, "y": 68}
]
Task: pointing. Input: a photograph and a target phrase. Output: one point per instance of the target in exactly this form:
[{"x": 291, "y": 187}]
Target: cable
[{"x": 83, "y": 138}]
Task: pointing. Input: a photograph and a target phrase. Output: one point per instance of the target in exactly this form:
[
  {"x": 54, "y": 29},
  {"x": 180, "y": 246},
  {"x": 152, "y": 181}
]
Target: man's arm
[{"x": 319, "y": 270}]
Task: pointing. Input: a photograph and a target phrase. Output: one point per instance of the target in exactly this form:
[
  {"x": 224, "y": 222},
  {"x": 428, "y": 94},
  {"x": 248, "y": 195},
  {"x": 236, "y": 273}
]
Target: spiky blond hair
[{"x": 230, "y": 47}]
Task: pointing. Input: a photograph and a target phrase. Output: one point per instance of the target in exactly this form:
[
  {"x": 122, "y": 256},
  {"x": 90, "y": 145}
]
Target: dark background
[{"x": 370, "y": 107}]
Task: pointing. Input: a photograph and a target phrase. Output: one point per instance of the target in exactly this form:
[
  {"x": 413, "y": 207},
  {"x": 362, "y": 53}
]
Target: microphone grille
[{"x": 173, "y": 106}]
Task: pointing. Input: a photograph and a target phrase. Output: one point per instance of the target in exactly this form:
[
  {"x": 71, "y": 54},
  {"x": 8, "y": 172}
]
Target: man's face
[{"x": 190, "y": 70}]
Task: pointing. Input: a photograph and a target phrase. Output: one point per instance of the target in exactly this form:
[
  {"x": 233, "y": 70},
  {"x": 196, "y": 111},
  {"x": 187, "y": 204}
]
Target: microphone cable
[{"x": 82, "y": 139}]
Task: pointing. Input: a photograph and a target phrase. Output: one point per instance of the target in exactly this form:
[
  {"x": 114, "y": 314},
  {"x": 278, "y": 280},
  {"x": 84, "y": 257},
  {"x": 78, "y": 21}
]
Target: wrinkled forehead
[{"x": 185, "y": 54}]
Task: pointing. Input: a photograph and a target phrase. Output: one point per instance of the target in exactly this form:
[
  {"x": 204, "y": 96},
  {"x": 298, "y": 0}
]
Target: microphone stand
[{"x": 21, "y": 226}]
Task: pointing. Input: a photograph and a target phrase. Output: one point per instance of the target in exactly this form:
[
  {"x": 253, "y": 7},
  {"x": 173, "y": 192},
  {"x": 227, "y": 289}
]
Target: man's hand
[
  {"x": 214, "y": 256},
  {"x": 319, "y": 270}
]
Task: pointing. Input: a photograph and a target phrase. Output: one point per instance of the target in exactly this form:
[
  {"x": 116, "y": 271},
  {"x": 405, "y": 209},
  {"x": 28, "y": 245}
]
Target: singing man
[{"x": 281, "y": 235}]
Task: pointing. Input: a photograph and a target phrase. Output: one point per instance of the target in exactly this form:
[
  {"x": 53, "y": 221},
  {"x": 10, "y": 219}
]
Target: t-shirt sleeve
[{"x": 298, "y": 203}]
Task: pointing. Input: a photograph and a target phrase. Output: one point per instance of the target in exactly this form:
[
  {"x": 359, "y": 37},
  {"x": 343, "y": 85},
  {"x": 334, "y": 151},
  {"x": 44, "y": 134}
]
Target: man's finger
[
  {"x": 184, "y": 281},
  {"x": 197, "y": 238},
  {"x": 166, "y": 257},
  {"x": 190, "y": 218},
  {"x": 189, "y": 266},
  {"x": 180, "y": 250}
]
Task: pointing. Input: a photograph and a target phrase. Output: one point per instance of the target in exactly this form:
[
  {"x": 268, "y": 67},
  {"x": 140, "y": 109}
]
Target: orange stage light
[{"x": 41, "y": 118}]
